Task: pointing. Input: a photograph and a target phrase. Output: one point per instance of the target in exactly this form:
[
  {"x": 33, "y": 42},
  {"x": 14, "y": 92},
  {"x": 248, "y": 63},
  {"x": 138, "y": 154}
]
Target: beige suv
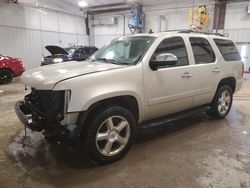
[{"x": 131, "y": 80}]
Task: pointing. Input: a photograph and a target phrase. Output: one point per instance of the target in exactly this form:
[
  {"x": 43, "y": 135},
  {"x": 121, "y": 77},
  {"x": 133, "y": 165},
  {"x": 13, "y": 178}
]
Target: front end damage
[{"x": 45, "y": 110}]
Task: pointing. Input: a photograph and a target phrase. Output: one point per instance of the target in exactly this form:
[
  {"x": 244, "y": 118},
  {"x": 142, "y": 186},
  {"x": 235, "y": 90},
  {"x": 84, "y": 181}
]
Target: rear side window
[
  {"x": 86, "y": 50},
  {"x": 203, "y": 52},
  {"x": 227, "y": 49}
]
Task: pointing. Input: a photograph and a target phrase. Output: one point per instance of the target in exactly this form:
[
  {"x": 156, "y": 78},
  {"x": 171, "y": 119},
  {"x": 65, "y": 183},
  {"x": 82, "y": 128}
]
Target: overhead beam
[{"x": 219, "y": 14}]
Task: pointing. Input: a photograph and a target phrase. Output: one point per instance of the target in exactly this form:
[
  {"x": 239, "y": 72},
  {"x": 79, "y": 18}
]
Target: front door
[{"x": 168, "y": 89}]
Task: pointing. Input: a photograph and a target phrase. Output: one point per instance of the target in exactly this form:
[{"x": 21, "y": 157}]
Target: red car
[{"x": 9, "y": 68}]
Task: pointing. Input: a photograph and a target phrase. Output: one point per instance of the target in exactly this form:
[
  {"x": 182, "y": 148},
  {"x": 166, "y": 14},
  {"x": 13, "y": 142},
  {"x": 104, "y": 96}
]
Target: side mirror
[{"x": 163, "y": 60}]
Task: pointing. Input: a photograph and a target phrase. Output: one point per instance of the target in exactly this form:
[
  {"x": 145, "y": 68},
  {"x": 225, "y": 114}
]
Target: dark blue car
[{"x": 73, "y": 53}]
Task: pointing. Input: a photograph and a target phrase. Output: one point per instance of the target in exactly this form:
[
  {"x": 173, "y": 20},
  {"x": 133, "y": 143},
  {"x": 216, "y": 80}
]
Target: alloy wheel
[
  {"x": 224, "y": 102},
  {"x": 112, "y": 136}
]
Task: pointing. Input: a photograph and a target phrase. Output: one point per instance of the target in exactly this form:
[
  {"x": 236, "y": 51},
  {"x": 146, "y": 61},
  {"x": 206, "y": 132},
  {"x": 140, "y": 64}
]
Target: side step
[{"x": 173, "y": 117}]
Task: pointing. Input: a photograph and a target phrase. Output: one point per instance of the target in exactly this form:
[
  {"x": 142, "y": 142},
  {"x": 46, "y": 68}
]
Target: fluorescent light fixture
[{"x": 82, "y": 4}]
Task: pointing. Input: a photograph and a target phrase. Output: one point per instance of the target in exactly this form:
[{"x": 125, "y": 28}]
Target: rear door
[
  {"x": 206, "y": 70},
  {"x": 232, "y": 66}
]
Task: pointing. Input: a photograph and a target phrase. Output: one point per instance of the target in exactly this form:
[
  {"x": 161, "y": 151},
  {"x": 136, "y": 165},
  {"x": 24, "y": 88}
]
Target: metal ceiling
[
  {"x": 107, "y": 2},
  {"x": 99, "y": 6}
]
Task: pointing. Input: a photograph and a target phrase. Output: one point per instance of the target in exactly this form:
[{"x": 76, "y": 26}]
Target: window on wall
[
  {"x": 202, "y": 50},
  {"x": 227, "y": 49},
  {"x": 175, "y": 46}
]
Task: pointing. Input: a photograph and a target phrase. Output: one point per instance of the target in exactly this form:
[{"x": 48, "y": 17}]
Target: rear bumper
[
  {"x": 25, "y": 115},
  {"x": 19, "y": 72},
  {"x": 239, "y": 84}
]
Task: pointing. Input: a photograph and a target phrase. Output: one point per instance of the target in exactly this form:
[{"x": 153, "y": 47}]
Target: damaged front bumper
[
  {"x": 26, "y": 116},
  {"x": 46, "y": 111},
  {"x": 53, "y": 131}
]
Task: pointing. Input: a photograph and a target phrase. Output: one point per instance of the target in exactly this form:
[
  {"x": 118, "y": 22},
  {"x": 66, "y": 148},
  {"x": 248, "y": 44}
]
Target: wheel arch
[
  {"x": 8, "y": 69},
  {"x": 9, "y": 79},
  {"x": 127, "y": 101},
  {"x": 231, "y": 81}
]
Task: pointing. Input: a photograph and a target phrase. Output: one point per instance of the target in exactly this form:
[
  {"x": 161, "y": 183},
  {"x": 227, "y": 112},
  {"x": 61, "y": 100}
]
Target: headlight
[
  {"x": 57, "y": 60},
  {"x": 67, "y": 96}
]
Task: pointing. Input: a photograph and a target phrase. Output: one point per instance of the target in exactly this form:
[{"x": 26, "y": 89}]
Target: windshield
[
  {"x": 124, "y": 50},
  {"x": 70, "y": 51}
]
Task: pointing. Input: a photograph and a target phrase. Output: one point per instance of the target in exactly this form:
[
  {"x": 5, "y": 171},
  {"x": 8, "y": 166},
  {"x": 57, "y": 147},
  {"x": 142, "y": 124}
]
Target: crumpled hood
[{"x": 45, "y": 78}]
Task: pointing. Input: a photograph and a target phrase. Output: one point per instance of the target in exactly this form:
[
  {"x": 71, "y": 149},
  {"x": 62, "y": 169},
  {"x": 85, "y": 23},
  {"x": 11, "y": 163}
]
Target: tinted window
[
  {"x": 174, "y": 46},
  {"x": 87, "y": 50},
  {"x": 227, "y": 49},
  {"x": 83, "y": 51},
  {"x": 92, "y": 50},
  {"x": 203, "y": 52},
  {"x": 80, "y": 51}
]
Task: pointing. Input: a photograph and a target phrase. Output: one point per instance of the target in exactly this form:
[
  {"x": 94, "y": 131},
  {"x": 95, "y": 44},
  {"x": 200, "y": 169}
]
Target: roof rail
[
  {"x": 174, "y": 30},
  {"x": 206, "y": 33}
]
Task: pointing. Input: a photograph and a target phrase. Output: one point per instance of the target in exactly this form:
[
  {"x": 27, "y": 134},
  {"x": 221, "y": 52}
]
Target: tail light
[{"x": 22, "y": 64}]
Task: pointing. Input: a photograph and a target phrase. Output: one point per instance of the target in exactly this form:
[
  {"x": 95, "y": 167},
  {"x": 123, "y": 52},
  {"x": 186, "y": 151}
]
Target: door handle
[
  {"x": 186, "y": 75},
  {"x": 217, "y": 70}
]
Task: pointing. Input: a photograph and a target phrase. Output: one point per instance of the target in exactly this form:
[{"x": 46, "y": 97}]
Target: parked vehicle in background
[
  {"x": 133, "y": 81},
  {"x": 73, "y": 53},
  {"x": 9, "y": 68}
]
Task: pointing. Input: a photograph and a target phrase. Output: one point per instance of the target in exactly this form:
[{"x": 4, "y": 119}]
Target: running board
[{"x": 173, "y": 117}]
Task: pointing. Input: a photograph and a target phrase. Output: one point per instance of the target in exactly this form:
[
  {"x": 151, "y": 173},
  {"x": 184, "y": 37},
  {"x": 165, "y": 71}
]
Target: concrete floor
[{"x": 194, "y": 152}]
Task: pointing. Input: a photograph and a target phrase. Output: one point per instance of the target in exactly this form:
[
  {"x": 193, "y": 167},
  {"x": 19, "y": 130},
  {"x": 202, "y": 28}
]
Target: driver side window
[
  {"x": 175, "y": 46},
  {"x": 80, "y": 51}
]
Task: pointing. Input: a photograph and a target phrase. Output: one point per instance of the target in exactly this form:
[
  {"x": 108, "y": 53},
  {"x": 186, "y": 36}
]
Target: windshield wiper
[{"x": 108, "y": 60}]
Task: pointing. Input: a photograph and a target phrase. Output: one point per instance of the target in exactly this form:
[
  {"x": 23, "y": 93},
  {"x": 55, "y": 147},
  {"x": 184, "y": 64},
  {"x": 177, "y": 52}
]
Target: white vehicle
[{"x": 131, "y": 80}]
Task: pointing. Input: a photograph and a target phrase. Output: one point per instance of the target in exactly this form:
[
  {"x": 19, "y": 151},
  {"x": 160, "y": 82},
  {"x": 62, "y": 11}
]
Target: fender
[{"x": 91, "y": 88}]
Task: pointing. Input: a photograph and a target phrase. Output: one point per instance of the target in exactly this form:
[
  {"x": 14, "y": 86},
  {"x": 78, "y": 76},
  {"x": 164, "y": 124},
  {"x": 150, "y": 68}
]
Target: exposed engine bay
[{"x": 43, "y": 110}]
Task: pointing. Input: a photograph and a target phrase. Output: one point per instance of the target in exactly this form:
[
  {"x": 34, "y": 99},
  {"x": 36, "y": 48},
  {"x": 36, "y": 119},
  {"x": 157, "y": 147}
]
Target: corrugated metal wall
[
  {"x": 23, "y": 43},
  {"x": 175, "y": 12},
  {"x": 24, "y": 31},
  {"x": 102, "y": 34},
  {"x": 237, "y": 25},
  {"x": 237, "y": 22}
]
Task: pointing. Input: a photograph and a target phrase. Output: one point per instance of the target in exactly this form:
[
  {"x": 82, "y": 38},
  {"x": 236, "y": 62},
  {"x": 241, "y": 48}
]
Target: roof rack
[
  {"x": 206, "y": 33},
  {"x": 174, "y": 30},
  {"x": 170, "y": 30}
]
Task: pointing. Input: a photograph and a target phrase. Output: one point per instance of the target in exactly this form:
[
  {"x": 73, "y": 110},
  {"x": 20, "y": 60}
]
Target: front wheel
[
  {"x": 110, "y": 134},
  {"x": 6, "y": 76},
  {"x": 222, "y": 102}
]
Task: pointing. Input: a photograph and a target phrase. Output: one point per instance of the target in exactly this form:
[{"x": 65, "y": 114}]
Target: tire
[
  {"x": 6, "y": 76},
  {"x": 110, "y": 135},
  {"x": 222, "y": 102}
]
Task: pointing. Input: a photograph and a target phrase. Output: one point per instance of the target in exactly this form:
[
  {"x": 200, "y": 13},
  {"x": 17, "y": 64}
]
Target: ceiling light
[{"x": 82, "y": 4}]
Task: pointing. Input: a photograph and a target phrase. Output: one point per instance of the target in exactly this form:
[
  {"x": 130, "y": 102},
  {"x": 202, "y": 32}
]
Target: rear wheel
[
  {"x": 222, "y": 102},
  {"x": 110, "y": 135},
  {"x": 6, "y": 76}
]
